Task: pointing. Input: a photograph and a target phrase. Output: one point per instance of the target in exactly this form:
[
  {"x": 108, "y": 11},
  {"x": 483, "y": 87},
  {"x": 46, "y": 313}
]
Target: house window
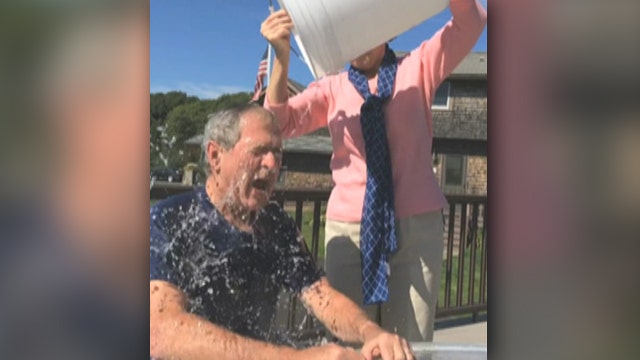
[
  {"x": 441, "y": 98},
  {"x": 454, "y": 171}
]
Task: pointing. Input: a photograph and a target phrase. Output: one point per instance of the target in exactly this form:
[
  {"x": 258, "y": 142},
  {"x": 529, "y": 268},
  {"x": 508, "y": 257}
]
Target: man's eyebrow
[{"x": 268, "y": 147}]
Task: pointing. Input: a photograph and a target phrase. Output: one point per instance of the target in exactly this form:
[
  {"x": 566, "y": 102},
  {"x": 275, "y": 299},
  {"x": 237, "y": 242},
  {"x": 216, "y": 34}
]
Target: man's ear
[{"x": 214, "y": 153}]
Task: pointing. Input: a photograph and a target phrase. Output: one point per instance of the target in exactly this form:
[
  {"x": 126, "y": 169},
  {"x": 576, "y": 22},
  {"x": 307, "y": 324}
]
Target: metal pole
[{"x": 269, "y": 59}]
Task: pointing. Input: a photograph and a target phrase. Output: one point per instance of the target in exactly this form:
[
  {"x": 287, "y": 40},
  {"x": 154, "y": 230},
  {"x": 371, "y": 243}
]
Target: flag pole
[
  {"x": 269, "y": 65},
  {"x": 269, "y": 60}
]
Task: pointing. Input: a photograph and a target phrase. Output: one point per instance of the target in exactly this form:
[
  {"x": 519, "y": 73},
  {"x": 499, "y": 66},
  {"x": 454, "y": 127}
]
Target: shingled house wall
[{"x": 466, "y": 118}]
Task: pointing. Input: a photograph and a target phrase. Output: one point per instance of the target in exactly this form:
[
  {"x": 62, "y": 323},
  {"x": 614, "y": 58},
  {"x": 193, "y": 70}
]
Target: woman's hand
[{"x": 277, "y": 30}]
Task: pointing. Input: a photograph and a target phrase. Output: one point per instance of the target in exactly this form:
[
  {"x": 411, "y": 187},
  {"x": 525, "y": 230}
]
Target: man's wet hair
[{"x": 225, "y": 126}]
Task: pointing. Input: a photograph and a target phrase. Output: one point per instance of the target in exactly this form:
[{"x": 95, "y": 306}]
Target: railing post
[
  {"x": 461, "y": 251},
  {"x": 483, "y": 277},
  {"x": 315, "y": 237},
  {"x": 449, "y": 264},
  {"x": 472, "y": 260},
  {"x": 299, "y": 204}
]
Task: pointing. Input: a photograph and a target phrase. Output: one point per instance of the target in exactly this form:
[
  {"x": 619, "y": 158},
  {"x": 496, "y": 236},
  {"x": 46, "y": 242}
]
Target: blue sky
[{"x": 210, "y": 47}]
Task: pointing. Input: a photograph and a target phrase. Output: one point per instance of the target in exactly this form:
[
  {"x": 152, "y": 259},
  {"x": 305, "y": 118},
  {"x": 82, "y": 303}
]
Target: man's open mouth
[{"x": 260, "y": 184}]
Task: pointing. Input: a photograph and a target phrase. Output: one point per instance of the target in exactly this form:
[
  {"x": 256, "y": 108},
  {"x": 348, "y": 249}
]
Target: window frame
[
  {"x": 447, "y": 106},
  {"x": 463, "y": 179}
]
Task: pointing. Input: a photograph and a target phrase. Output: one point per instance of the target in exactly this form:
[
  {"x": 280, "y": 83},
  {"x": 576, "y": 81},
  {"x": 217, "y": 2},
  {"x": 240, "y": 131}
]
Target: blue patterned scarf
[{"x": 377, "y": 231}]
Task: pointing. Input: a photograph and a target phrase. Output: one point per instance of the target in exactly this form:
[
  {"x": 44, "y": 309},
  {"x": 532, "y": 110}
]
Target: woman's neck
[{"x": 371, "y": 74}]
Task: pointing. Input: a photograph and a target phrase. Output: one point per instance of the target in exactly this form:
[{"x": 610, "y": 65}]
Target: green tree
[
  {"x": 160, "y": 141},
  {"x": 163, "y": 103}
]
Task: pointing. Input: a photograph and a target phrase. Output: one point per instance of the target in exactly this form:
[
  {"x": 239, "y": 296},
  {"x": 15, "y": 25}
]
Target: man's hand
[
  {"x": 329, "y": 352},
  {"x": 277, "y": 30},
  {"x": 381, "y": 344}
]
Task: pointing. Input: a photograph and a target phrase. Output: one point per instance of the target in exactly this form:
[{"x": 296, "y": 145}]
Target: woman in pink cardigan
[{"x": 384, "y": 230}]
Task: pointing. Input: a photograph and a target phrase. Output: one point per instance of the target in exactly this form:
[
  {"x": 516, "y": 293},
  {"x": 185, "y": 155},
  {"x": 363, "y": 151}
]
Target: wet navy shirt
[{"x": 231, "y": 278}]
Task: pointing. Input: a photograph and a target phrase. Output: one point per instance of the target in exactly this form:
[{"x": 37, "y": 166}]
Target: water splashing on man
[{"x": 248, "y": 250}]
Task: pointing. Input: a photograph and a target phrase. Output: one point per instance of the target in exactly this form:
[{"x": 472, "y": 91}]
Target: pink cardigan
[{"x": 334, "y": 102}]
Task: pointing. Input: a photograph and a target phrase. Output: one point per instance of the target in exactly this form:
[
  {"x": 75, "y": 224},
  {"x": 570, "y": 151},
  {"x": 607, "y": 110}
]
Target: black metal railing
[{"x": 464, "y": 269}]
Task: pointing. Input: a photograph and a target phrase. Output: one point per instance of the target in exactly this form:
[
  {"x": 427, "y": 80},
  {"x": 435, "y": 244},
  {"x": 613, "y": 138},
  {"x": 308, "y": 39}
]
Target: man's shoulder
[
  {"x": 179, "y": 201},
  {"x": 178, "y": 208}
]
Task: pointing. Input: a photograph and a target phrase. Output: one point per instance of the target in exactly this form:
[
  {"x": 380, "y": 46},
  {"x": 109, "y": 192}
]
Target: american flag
[{"x": 262, "y": 73}]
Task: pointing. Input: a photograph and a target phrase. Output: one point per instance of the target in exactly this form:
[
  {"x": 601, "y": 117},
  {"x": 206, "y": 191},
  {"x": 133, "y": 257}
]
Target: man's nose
[{"x": 270, "y": 160}]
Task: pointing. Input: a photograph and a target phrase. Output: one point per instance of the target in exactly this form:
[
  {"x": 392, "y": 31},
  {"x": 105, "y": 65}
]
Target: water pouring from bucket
[{"x": 330, "y": 33}]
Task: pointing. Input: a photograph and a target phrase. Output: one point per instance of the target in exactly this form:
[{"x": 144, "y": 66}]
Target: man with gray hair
[{"x": 221, "y": 254}]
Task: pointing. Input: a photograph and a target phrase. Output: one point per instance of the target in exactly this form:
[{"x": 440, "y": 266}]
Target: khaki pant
[{"x": 415, "y": 273}]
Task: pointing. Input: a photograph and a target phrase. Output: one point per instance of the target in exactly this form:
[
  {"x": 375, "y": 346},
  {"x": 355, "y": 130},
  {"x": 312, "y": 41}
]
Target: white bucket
[{"x": 331, "y": 33}]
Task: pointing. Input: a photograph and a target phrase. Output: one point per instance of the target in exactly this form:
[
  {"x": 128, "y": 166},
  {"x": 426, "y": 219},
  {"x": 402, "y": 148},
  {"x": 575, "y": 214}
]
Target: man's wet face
[{"x": 253, "y": 164}]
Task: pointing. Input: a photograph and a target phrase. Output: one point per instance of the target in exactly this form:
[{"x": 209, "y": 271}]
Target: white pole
[
  {"x": 268, "y": 64},
  {"x": 269, "y": 60}
]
